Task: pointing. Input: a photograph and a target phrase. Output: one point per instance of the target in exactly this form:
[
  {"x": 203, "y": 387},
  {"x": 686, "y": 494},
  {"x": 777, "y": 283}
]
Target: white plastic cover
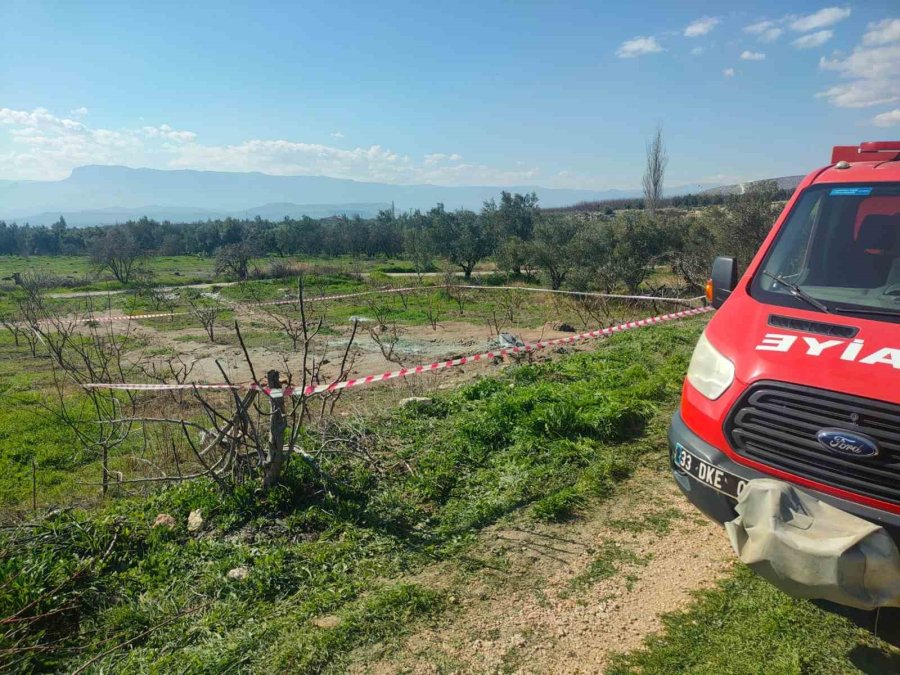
[{"x": 812, "y": 550}]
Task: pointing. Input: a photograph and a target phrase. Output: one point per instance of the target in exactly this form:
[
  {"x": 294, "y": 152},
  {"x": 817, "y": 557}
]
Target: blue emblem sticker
[{"x": 851, "y": 192}]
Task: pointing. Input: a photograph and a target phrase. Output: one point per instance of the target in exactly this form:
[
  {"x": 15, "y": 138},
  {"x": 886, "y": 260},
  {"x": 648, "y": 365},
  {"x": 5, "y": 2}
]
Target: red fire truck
[{"x": 788, "y": 432}]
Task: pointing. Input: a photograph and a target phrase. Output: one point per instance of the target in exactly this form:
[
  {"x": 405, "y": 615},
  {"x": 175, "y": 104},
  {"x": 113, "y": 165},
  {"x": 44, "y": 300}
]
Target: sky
[{"x": 467, "y": 93}]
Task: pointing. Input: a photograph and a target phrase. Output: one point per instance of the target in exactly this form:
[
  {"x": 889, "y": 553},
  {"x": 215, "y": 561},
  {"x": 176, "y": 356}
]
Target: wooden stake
[{"x": 276, "y": 456}]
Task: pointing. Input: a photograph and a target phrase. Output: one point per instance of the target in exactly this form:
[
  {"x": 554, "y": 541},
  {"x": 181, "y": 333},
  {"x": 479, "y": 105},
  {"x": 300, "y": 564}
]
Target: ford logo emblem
[{"x": 846, "y": 442}]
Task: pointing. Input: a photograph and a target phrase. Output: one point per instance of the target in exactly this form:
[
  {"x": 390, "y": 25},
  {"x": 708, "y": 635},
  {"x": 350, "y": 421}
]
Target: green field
[
  {"x": 334, "y": 557},
  {"x": 542, "y": 438}
]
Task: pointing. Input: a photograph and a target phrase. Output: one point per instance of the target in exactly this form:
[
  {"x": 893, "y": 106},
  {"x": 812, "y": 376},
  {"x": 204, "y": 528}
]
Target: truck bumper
[{"x": 720, "y": 507}]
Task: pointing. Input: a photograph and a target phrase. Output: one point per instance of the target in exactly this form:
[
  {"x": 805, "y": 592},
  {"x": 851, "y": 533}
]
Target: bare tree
[
  {"x": 118, "y": 252},
  {"x": 234, "y": 259},
  {"x": 293, "y": 323},
  {"x": 159, "y": 297},
  {"x": 433, "y": 309},
  {"x": 657, "y": 159},
  {"x": 387, "y": 337},
  {"x": 455, "y": 292},
  {"x": 83, "y": 353},
  {"x": 206, "y": 310}
]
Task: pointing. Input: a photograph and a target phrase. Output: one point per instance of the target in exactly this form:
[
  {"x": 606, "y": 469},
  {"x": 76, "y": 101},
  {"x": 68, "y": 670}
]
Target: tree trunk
[
  {"x": 104, "y": 460},
  {"x": 276, "y": 457}
]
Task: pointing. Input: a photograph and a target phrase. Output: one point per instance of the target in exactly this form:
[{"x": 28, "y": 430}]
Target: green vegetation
[
  {"x": 326, "y": 554},
  {"x": 745, "y": 625}
]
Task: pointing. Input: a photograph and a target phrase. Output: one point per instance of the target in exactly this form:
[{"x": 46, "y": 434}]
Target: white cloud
[
  {"x": 759, "y": 27},
  {"x": 765, "y": 31},
  {"x": 827, "y": 16},
  {"x": 701, "y": 26},
  {"x": 696, "y": 51},
  {"x": 79, "y": 112},
  {"x": 728, "y": 72},
  {"x": 882, "y": 32},
  {"x": 336, "y": 134},
  {"x": 167, "y": 132},
  {"x": 752, "y": 56},
  {"x": 45, "y": 146},
  {"x": 873, "y": 74},
  {"x": 813, "y": 39},
  {"x": 638, "y": 47},
  {"x": 887, "y": 119},
  {"x": 282, "y": 157}
]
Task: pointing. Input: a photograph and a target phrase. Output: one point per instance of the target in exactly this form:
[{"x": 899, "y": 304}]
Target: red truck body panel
[{"x": 740, "y": 326}]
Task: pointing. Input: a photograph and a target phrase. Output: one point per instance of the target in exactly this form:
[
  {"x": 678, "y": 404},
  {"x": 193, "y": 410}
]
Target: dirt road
[{"x": 563, "y": 598}]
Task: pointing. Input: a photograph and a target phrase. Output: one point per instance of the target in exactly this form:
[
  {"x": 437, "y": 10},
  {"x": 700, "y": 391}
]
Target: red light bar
[
  {"x": 854, "y": 153},
  {"x": 880, "y": 146}
]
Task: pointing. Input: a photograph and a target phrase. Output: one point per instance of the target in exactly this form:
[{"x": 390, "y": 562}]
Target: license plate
[{"x": 703, "y": 472}]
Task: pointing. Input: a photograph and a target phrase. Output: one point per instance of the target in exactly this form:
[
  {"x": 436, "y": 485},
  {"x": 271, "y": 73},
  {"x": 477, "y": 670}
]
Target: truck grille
[{"x": 776, "y": 424}]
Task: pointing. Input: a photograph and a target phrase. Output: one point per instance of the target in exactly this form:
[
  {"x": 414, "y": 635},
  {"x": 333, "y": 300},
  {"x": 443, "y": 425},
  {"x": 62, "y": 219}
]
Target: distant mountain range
[
  {"x": 784, "y": 183},
  {"x": 186, "y": 214},
  {"x": 101, "y": 195}
]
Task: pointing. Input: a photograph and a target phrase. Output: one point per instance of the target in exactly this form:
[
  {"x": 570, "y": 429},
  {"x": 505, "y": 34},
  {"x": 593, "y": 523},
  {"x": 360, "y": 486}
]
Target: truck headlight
[{"x": 710, "y": 373}]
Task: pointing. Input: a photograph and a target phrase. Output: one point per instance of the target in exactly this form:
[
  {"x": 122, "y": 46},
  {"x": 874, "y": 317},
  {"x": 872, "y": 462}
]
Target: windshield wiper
[
  {"x": 798, "y": 292},
  {"x": 867, "y": 310}
]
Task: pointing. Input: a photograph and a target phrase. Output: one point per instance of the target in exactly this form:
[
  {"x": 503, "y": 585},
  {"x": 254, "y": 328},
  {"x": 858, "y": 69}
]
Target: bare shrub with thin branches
[
  {"x": 206, "y": 310},
  {"x": 591, "y": 310},
  {"x": 387, "y": 338},
  {"x": 84, "y": 352},
  {"x": 455, "y": 292},
  {"x": 433, "y": 310}
]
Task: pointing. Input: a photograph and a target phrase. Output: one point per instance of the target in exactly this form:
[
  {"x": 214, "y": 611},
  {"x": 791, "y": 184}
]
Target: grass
[
  {"x": 335, "y": 564},
  {"x": 746, "y": 626},
  {"x": 132, "y": 597},
  {"x": 75, "y": 273}
]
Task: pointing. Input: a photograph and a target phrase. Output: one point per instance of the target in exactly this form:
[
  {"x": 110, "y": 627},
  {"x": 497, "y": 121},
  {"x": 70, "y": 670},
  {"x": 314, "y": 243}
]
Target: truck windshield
[{"x": 838, "y": 252}]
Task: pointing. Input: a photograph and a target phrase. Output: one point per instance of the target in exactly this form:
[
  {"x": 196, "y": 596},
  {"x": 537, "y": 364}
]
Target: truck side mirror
[{"x": 724, "y": 279}]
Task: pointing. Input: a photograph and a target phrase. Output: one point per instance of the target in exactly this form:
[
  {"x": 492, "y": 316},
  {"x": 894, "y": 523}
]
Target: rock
[
  {"x": 164, "y": 520},
  {"x": 518, "y": 640},
  {"x": 560, "y": 326},
  {"x": 414, "y": 400},
  {"x": 238, "y": 573},
  {"x": 195, "y": 520},
  {"x": 328, "y": 621}
]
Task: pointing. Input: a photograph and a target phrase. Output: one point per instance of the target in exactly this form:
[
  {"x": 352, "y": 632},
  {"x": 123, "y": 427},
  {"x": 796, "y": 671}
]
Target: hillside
[
  {"x": 116, "y": 193},
  {"x": 783, "y": 182},
  {"x": 186, "y": 214}
]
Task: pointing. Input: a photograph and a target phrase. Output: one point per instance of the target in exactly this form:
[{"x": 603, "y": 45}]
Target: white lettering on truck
[{"x": 778, "y": 342}]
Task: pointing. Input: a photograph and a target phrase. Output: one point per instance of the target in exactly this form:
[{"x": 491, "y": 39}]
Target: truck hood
[{"x": 866, "y": 365}]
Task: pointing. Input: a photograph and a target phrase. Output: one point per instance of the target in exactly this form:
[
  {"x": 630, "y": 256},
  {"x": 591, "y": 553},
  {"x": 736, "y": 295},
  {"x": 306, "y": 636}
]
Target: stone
[
  {"x": 238, "y": 573},
  {"x": 415, "y": 400},
  {"x": 164, "y": 520},
  {"x": 195, "y": 520},
  {"x": 328, "y": 621}
]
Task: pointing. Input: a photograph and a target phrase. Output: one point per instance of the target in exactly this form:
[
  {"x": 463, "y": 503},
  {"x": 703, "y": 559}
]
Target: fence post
[{"x": 275, "y": 457}]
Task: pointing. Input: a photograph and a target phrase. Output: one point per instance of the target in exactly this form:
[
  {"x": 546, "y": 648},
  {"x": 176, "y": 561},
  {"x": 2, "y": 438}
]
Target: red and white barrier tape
[
  {"x": 418, "y": 370},
  {"x": 590, "y": 294}
]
